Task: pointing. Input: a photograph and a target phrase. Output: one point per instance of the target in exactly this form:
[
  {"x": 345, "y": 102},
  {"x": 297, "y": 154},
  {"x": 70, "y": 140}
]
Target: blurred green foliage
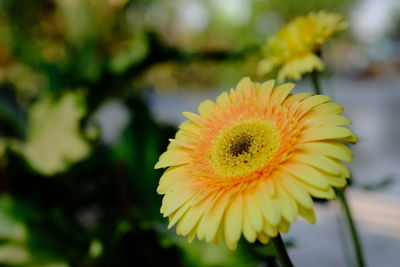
[{"x": 67, "y": 197}]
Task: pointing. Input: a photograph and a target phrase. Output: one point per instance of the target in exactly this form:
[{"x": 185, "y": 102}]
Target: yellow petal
[
  {"x": 333, "y": 120},
  {"x": 319, "y": 161},
  {"x": 332, "y": 149},
  {"x": 182, "y": 141},
  {"x": 173, "y": 200},
  {"x": 192, "y": 235},
  {"x": 307, "y": 214},
  {"x": 281, "y": 92},
  {"x": 269, "y": 187},
  {"x": 268, "y": 206},
  {"x": 177, "y": 214},
  {"x": 338, "y": 181},
  {"x": 324, "y": 110},
  {"x": 287, "y": 206},
  {"x": 296, "y": 190},
  {"x": 269, "y": 229},
  {"x": 320, "y": 193},
  {"x": 263, "y": 238},
  {"x": 351, "y": 139},
  {"x": 211, "y": 221},
  {"x": 265, "y": 66},
  {"x": 264, "y": 90},
  {"x": 248, "y": 230},
  {"x": 223, "y": 99},
  {"x": 189, "y": 127},
  {"x": 313, "y": 101},
  {"x": 193, "y": 215},
  {"x": 298, "y": 66},
  {"x": 194, "y": 117},
  {"x": 325, "y": 133},
  {"x": 172, "y": 158},
  {"x": 295, "y": 99},
  {"x": 305, "y": 174},
  {"x": 251, "y": 204},
  {"x": 245, "y": 87},
  {"x": 233, "y": 219},
  {"x": 171, "y": 177},
  {"x": 284, "y": 227},
  {"x": 206, "y": 108}
]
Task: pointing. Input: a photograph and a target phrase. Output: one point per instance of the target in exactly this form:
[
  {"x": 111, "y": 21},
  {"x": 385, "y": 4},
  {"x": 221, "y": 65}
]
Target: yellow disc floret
[{"x": 244, "y": 148}]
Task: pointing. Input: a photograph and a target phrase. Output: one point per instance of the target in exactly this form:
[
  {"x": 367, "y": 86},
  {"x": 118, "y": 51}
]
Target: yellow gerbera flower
[
  {"x": 250, "y": 162},
  {"x": 294, "y": 48}
]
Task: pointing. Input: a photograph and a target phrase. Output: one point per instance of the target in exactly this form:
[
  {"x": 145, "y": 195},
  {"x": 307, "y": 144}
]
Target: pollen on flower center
[
  {"x": 245, "y": 147},
  {"x": 241, "y": 144}
]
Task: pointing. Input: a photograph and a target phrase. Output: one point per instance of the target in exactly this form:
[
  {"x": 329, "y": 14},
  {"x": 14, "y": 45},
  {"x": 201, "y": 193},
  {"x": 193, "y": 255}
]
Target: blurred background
[{"x": 91, "y": 90}]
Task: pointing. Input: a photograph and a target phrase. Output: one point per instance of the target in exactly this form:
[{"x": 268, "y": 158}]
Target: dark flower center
[{"x": 240, "y": 145}]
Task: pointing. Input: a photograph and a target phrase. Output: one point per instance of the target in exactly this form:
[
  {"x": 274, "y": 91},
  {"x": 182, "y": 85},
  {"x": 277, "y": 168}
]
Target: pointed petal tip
[{"x": 157, "y": 166}]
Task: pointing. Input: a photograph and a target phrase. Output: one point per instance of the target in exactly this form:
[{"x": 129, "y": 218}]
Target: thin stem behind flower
[
  {"x": 281, "y": 251},
  {"x": 353, "y": 230},
  {"x": 315, "y": 82}
]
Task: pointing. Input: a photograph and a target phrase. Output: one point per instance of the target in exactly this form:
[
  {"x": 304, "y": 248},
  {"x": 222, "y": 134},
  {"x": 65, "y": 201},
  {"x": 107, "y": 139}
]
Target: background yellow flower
[
  {"x": 294, "y": 49},
  {"x": 49, "y": 122},
  {"x": 249, "y": 163}
]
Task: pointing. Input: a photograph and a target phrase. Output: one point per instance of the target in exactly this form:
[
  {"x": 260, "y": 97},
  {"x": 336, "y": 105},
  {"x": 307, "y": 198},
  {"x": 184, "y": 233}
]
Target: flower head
[
  {"x": 249, "y": 163},
  {"x": 294, "y": 49}
]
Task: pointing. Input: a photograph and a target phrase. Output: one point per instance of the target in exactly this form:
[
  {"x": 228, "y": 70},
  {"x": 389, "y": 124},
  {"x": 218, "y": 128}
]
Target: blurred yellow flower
[
  {"x": 53, "y": 139},
  {"x": 294, "y": 49},
  {"x": 249, "y": 163}
]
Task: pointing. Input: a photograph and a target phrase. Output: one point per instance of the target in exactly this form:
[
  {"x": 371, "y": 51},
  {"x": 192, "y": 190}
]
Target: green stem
[
  {"x": 342, "y": 196},
  {"x": 281, "y": 251},
  {"x": 315, "y": 82},
  {"x": 353, "y": 230}
]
